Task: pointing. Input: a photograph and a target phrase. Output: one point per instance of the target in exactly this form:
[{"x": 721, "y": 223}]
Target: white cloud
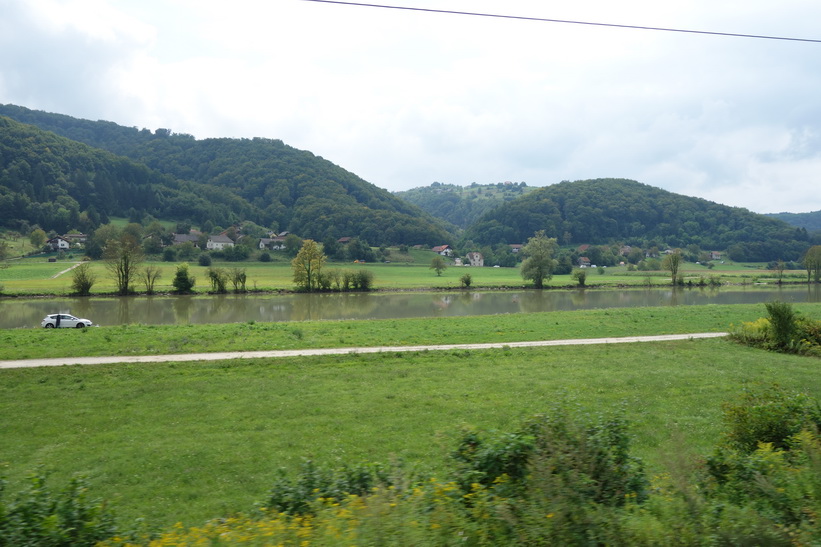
[{"x": 407, "y": 98}]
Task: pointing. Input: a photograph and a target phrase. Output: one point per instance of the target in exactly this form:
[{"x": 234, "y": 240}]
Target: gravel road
[{"x": 60, "y": 361}]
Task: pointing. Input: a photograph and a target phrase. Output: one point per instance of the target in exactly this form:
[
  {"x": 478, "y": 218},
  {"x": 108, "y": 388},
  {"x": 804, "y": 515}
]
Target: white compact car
[{"x": 64, "y": 320}]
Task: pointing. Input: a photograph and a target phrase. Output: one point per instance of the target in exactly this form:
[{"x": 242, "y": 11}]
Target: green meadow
[
  {"x": 190, "y": 441},
  {"x": 406, "y": 271}
]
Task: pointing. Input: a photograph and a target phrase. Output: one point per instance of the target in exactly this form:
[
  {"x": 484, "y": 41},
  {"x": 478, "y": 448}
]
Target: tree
[
  {"x": 149, "y": 276},
  {"x": 580, "y": 276},
  {"x": 539, "y": 264},
  {"x": 812, "y": 262},
  {"x": 183, "y": 282},
  {"x": 672, "y": 263},
  {"x": 307, "y": 265},
  {"x": 293, "y": 243},
  {"x": 37, "y": 238},
  {"x": 123, "y": 257},
  {"x": 82, "y": 279},
  {"x": 219, "y": 279},
  {"x": 780, "y": 266},
  {"x": 438, "y": 264},
  {"x": 238, "y": 278}
]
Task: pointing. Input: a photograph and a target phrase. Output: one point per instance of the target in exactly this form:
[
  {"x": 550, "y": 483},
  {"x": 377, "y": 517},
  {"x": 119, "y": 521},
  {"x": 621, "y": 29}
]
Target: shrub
[
  {"x": 219, "y": 280},
  {"x": 82, "y": 279},
  {"x": 204, "y": 260},
  {"x": 38, "y": 516},
  {"x": 296, "y": 496},
  {"x": 183, "y": 282},
  {"x": 590, "y": 460},
  {"x": 768, "y": 414},
  {"x": 265, "y": 257},
  {"x": 238, "y": 279},
  {"x": 782, "y": 323},
  {"x": 169, "y": 255},
  {"x": 580, "y": 276},
  {"x": 363, "y": 280}
]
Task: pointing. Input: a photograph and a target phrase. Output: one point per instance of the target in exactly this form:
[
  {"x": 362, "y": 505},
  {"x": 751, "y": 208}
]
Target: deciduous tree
[
  {"x": 539, "y": 262},
  {"x": 672, "y": 263},
  {"x": 438, "y": 264},
  {"x": 122, "y": 259},
  {"x": 307, "y": 265},
  {"x": 149, "y": 275},
  {"x": 82, "y": 279},
  {"x": 812, "y": 262}
]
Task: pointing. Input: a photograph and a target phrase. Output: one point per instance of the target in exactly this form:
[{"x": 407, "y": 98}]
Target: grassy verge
[
  {"x": 185, "y": 442},
  {"x": 163, "y": 339}
]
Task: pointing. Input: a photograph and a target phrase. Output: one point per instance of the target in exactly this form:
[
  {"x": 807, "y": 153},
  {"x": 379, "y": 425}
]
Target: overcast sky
[{"x": 406, "y": 98}]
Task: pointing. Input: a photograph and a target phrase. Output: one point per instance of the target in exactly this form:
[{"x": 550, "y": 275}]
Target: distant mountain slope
[
  {"x": 618, "y": 210},
  {"x": 261, "y": 180},
  {"x": 61, "y": 184},
  {"x": 809, "y": 221},
  {"x": 463, "y": 205}
]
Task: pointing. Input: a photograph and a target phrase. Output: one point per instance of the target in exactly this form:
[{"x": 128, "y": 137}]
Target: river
[{"x": 179, "y": 310}]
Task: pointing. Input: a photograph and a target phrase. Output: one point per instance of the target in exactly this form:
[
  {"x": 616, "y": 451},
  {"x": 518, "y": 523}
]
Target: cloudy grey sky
[{"x": 405, "y": 98}]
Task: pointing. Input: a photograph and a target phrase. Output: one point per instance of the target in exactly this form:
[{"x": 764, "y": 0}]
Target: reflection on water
[{"x": 161, "y": 310}]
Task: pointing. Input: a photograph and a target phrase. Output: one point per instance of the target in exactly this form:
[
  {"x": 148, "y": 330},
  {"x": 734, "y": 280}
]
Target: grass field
[
  {"x": 35, "y": 275},
  {"x": 186, "y": 442}
]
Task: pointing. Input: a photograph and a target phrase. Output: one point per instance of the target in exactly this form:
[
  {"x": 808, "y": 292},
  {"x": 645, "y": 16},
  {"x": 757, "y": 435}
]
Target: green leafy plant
[{"x": 40, "y": 517}]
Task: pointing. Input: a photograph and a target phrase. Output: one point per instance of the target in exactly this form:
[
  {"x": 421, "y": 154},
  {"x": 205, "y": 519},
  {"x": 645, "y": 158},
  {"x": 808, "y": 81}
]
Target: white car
[{"x": 64, "y": 320}]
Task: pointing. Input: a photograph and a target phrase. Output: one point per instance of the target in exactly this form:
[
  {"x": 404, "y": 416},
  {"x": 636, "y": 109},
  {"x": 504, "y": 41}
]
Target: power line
[{"x": 570, "y": 22}]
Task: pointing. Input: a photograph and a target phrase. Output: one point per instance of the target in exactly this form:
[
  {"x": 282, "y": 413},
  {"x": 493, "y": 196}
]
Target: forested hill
[
  {"x": 626, "y": 211},
  {"x": 809, "y": 221},
  {"x": 224, "y": 181},
  {"x": 463, "y": 205}
]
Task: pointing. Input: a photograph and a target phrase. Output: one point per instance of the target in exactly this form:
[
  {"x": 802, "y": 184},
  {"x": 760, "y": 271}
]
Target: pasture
[{"x": 190, "y": 441}]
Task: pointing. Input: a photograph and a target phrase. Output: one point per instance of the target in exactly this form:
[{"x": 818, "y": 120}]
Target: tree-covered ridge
[
  {"x": 618, "y": 210},
  {"x": 60, "y": 184},
  {"x": 463, "y": 205},
  {"x": 809, "y": 221},
  {"x": 226, "y": 181}
]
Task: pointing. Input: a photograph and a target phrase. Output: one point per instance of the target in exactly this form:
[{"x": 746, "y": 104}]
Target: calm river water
[{"x": 170, "y": 310}]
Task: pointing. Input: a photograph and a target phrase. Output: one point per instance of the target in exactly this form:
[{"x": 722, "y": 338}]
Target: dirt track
[{"x": 60, "y": 361}]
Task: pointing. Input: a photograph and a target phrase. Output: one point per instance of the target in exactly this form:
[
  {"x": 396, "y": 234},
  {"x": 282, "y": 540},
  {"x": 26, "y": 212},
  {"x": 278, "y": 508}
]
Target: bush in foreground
[
  {"x": 38, "y": 516},
  {"x": 782, "y": 330}
]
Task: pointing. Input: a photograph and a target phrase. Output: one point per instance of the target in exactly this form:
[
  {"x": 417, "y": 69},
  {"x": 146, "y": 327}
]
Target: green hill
[
  {"x": 463, "y": 205},
  {"x": 177, "y": 177},
  {"x": 617, "y": 210},
  {"x": 809, "y": 221}
]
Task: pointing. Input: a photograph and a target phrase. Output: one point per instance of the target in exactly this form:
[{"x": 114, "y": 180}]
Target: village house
[
  {"x": 584, "y": 262},
  {"x": 218, "y": 242},
  {"x": 58, "y": 243},
  {"x": 515, "y": 247},
  {"x": 192, "y": 236},
  {"x": 75, "y": 239},
  {"x": 443, "y": 250},
  {"x": 272, "y": 243},
  {"x": 476, "y": 259}
]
